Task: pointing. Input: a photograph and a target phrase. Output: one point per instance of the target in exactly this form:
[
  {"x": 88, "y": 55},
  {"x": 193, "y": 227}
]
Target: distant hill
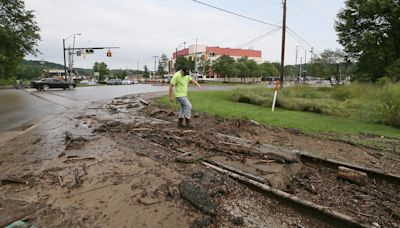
[{"x": 50, "y": 65}]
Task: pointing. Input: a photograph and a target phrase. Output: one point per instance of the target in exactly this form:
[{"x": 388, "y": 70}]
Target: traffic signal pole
[
  {"x": 283, "y": 43},
  {"x": 65, "y": 61}
]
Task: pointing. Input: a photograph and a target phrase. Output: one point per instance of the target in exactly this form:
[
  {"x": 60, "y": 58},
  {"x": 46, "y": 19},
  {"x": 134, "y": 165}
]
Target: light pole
[
  {"x": 65, "y": 63},
  {"x": 176, "y": 50}
]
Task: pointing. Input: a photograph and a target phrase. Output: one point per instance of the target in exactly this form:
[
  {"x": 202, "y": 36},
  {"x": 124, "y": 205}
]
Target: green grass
[
  {"x": 378, "y": 103},
  {"x": 221, "y": 103}
]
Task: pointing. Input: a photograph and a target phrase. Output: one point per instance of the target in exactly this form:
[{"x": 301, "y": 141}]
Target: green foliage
[
  {"x": 182, "y": 62},
  {"x": 120, "y": 74},
  {"x": 102, "y": 69},
  {"x": 369, "y": 32},
  {"x": 268, "y": 69},
  {"x": 224, "y": 66},
  {"x": 247, "y": 68},
  {"x": 366, "y": 102},
  {"x": 146, "y": 73},
  {"x": 162, "y": 65},
  {"x": 204, "y": 66},
  {"x": 393, "y": 71},
  {"x": 18, "y": 36}
]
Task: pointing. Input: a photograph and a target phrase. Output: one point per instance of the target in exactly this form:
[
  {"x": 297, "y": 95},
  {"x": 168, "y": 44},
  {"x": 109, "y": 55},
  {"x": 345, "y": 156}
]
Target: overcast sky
[{"x": 145, "y": 28}]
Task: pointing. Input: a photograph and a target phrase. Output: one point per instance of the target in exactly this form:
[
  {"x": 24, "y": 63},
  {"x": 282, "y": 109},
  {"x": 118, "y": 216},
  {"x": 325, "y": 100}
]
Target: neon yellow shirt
[{"x": 181, "y": 84}]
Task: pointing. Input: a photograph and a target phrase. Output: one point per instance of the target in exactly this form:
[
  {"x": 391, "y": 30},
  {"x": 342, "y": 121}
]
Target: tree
[
  {"x": 369, "y": 32},
  {"x": 146, "y": 73},
  {"x": 330, "y": 65},
  {"x": 162, "y": 65},
  {"x": 268, "y": 69},
  {"x": 225, "y": 66},
  {"x": 181, "y": 61},
  {"x": 102, "y": 69},
  {"x": 247, "y": 68},
  {"x": 18, "y": 34},
  {"x": 121, "y": 74},
  {"x": 204, "y": 66}
]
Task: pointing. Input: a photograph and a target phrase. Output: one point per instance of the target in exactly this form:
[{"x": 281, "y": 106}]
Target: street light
[
  {"x": 176, "y": 50},
  {"x": 65, "y": 63}
]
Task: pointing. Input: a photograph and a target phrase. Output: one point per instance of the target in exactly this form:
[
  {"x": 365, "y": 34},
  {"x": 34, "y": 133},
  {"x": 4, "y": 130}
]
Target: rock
[
  {"x": 198, "y": 174},
  {"x": 238, "y": 221},
  {"x": 198, "y": 196},
  {"x": 201, "y": 222},
  {"x": 255, "y": 122}
]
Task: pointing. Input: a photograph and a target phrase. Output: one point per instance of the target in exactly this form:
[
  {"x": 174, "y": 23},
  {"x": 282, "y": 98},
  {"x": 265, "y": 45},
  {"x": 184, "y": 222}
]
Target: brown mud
[{"x": 130, "y": 163}]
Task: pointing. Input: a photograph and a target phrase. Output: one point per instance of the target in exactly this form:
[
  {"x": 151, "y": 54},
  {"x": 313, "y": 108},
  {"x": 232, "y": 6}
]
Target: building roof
[
  {"x": 222, "y": 51},
  {"x": 233, "y": 52}
]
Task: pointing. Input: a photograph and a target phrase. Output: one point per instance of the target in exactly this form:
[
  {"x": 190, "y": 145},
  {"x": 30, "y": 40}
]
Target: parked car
[
  {"x": 52, "y": 83},
  {"x": 127, "y": 82},
  {"x": 114, "y": 82}
]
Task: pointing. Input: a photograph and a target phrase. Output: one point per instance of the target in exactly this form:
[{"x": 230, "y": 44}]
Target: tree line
[{"x": 227, "y": 67}]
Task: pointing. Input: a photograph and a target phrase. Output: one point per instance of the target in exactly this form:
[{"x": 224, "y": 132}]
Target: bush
[
  {"x": 378, "y": 103},
  {"x": 384, "y": 106}
]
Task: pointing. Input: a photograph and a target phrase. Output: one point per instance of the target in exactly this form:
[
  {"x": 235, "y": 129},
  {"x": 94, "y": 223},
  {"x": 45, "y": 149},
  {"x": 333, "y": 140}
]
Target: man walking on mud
[{"x": 180, "y": 81}]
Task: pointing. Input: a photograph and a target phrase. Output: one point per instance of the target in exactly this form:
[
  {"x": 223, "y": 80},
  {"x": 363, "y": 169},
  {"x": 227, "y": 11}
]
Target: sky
[{"x": 145, "y": 28}]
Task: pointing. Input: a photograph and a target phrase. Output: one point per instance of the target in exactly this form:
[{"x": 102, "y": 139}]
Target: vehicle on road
[
  {"x": 114, "y": 82},
  {"x": 52, "y": 83},
  {"x": 127, "y": 82}
]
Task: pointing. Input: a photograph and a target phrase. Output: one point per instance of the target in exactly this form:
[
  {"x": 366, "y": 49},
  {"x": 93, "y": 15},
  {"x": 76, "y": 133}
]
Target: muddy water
[{"x": 18, "y": 107}]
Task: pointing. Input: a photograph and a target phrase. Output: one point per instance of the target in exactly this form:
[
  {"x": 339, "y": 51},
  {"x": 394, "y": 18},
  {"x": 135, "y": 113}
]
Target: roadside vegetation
[
  {"x": 222, "y": 103},
  {"x": 373, "y": 103}
]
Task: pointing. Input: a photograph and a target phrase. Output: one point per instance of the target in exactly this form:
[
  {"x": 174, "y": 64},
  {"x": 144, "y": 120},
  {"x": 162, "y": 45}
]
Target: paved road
[{"x": 18, "y": 106}]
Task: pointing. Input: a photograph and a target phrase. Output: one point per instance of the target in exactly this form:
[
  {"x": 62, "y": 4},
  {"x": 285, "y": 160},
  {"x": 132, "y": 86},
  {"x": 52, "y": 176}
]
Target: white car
[{"x": 127, "y": 82}]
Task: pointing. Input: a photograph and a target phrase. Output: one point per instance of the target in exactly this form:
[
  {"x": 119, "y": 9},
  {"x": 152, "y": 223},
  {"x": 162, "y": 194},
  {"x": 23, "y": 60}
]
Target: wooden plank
[{"x": 336, "y": 218}]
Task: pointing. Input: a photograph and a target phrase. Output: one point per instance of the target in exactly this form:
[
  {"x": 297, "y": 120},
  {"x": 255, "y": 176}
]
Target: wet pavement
[{"x": 19, "y": 106}]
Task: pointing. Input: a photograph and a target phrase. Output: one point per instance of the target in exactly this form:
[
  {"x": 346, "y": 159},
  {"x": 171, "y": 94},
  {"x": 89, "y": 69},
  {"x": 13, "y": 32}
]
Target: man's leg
[
  {"x": 181, "y": 111},
  {"x": 187, "y": 111}
]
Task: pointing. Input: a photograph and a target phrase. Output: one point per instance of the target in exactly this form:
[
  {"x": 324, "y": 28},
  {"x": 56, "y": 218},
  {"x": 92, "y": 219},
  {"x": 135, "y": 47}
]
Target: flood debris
[
  {"x": 201, "y": 222},
  {"x": 5, "y": 181},
  {"x": 198, "y": 196},
  {"x": 141, "y": 100},
  {"x": 353, "y": 176},
  {"x": 72, "y": 141}
]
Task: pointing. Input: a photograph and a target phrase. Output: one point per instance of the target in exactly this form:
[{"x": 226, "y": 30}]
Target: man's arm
[
  {"x": 196, "y": 83},
  {"x": 171, "y": 92}
]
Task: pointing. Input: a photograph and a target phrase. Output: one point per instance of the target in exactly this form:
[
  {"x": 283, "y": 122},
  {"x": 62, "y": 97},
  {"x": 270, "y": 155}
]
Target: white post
[{"x": 275, "y": 95}]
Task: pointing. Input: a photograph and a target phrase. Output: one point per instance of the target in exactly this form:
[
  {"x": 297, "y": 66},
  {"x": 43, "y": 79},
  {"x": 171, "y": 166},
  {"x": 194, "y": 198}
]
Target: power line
[
  {"x": 258, "y": 38},
  {"x": 237, "y": 14}
]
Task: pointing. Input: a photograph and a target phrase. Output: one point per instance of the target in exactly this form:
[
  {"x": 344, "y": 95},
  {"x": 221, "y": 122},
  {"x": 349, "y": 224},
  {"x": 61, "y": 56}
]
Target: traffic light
[
  {"x": 89, "y": 51},
  {"x": 109, "y": 53}
]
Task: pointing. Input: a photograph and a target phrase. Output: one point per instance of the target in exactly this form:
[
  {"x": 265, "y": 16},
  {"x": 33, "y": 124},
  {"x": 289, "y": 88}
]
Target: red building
[{"x": 212, "y": 53}]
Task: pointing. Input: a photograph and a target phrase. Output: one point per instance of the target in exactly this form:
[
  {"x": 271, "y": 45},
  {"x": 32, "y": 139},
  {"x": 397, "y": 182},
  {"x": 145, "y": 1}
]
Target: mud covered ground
[{"x": 126, "y": 164}]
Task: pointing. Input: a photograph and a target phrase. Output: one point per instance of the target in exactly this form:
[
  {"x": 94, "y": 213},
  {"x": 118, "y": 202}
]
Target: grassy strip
[
  {"x": 369, "y": 103},
  {"x": 220, "y": 103}
]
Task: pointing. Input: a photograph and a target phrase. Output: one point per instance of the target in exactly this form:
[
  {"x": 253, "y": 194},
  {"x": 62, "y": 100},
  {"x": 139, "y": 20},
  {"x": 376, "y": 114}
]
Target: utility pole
[
  {"x": 195, "y": 59},
  {"x": 65, "y": 62},
  {"x": 311, "y": 58},
  {"x": 155, "y": 63},
  {"x": 301, "y": 63},
  {"x": 138, "y": 65},
  {"x": 283, "y": 43},
  {"x": 305, "y": 61}
]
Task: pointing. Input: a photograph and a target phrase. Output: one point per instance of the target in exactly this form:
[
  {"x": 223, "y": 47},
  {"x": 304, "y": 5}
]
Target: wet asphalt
[{"x": 21, "y": 106}]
